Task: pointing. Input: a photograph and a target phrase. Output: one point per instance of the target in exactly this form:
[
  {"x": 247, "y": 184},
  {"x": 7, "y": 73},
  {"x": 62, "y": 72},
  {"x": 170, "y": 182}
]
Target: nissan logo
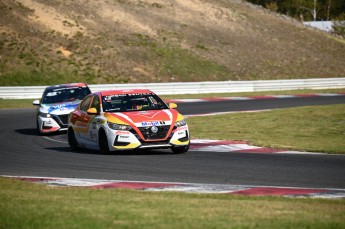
[{"x": 154, "y": 129}]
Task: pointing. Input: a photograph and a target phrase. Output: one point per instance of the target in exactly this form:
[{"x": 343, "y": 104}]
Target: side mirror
[
  {"x": 92, "y": 111},
  {"x": 172, "y": 105},
  {"x": 36, "y": 102}
]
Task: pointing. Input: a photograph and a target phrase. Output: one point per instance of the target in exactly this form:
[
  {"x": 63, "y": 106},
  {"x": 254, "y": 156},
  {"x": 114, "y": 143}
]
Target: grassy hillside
[{"x": 48, "y": 42}]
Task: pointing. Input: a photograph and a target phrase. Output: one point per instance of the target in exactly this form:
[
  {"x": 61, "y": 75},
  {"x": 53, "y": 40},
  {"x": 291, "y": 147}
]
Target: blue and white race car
[{"x": 55, "y": 105}]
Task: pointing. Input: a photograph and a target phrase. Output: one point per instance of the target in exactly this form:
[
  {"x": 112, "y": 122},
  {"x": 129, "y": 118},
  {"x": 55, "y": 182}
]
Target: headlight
[
  {"x": 181, "y": 123},
  {"x": 45, "y": 115},
  {"x": 115, "y": 126}
]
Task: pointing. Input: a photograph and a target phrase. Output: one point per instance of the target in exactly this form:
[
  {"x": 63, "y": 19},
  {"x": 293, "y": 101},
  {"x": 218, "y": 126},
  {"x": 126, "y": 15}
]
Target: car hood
[
  {"x": 145, "y": 118},
  {"x": 59, "y": 108}
]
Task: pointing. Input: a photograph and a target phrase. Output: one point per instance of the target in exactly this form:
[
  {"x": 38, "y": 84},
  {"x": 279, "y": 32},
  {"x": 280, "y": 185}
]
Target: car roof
[
  {"x": 124, "y": 91},
  {"x": 67, "y": 85}
]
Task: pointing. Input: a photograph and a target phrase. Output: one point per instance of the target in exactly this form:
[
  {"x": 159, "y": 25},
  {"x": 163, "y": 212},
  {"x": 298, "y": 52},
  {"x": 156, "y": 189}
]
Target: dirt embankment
[{"x": 162, "y": 41}]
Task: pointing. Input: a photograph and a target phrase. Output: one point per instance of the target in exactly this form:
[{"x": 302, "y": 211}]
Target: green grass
[
  {"x": 27, "y": 205},
  {"x": 181, "y": 63},
  {"x": 31, "y": 77},
  {"x": 176, "y": 62},
  {"x": 16, "y": 103},
  {"x": 312, "y": 128}
]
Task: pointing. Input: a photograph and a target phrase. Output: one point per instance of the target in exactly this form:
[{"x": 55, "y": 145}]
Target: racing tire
[
  {"x": 179, "y": 150},
  {"x": 103, "y": 142},
  {"x": 72, "y": 141}
]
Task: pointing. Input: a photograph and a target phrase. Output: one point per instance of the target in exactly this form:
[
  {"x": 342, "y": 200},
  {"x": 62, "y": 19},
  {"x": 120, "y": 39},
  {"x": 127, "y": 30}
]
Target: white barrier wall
[{"x": 32, "y": 92}]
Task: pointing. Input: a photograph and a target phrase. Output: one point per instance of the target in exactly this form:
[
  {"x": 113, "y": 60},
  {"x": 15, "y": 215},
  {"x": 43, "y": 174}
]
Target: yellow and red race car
[{"x": 126, "y": 120}]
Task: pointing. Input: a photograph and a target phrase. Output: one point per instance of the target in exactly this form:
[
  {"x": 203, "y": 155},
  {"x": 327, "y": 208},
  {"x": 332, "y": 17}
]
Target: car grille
[
  {"x": 149, "y": 135},
  {"x": 62, "y": 120}
]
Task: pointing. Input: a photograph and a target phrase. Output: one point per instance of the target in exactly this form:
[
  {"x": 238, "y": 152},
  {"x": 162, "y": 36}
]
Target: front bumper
[
  {"x": 52, "y": 124},
  {"x": 128, "y": 140}
]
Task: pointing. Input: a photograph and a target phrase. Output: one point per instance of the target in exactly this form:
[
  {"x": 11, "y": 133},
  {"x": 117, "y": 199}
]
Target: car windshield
[
  {"x": 132, "y": 102},
  {"x": 65, "y": 94}
]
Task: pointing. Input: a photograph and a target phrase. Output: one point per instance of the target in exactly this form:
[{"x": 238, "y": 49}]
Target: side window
[
  {"x": 86, "y": 103},
  {"x": 95, "y": 103}
]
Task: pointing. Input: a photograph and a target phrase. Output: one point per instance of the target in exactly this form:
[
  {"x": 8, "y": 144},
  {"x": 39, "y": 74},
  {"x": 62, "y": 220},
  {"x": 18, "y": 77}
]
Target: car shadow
[
  {"x": 33, "y": 131},
  {"x": 67, "y": 149},
  {"x": 29, "y": 131},
  {"x": 115, "y": 153}
]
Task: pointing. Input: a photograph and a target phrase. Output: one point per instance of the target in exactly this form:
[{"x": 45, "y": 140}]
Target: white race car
[
  {"x": 126, "y": 120},
  {"x": 55, "y": 105}
]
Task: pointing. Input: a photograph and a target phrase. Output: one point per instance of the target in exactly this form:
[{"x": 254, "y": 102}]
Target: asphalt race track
[{"x": 24, "y": 153}]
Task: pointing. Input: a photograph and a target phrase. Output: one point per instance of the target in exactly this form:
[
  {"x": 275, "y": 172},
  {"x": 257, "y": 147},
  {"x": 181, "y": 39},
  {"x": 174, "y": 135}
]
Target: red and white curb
[
  {"x": 236, "y": 147},
  {"x": 254, "y": 97},
  {"x": 226, "y": 112},
  {"x": 247, "y": 190}
]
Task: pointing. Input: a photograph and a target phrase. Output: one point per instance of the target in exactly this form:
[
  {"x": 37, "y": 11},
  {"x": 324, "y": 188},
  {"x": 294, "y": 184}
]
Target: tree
[
  {"x": 339, "y": 25},
  {"x": 305, "y": 9}
]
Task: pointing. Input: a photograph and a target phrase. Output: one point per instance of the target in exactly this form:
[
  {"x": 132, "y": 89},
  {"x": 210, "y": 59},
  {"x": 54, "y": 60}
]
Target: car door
[
  {"x": 82, "y": 124},
  {"x": 93, "y": 121}
]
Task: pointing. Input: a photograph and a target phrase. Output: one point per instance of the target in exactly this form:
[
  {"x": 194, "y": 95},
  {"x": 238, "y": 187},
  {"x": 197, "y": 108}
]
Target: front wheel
[
  {"x": 103, "y": 142},
  {"x": 38, "y": 128},
  {"x": 72, "y": 141}
]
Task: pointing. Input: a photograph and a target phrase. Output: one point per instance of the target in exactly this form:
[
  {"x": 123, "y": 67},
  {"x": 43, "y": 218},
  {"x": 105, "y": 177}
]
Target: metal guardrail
[{"x": 32, "y": 92}]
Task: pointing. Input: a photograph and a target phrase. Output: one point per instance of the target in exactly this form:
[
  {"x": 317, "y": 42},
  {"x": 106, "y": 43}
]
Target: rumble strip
[{"x": 189, "y": 187}]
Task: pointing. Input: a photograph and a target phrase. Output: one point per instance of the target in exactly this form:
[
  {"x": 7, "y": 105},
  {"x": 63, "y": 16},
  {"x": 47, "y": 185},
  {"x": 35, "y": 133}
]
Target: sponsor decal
[
  {"x": 181, "y": 128},
  {"x": 92, "y": 136},
  {"x": 62, "y": 107},
  {"x": 154, "y": 123},
  {"x": 147, "y": 115},
  {"x": 110, "y": 97},
  {"x": 66, "y": 88},
  {"x": 47, "y": 123},
  {"x": 94, "y": 125},
  {"x": 120, "y": 132},
  {"x": 150, "y": 123}
]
